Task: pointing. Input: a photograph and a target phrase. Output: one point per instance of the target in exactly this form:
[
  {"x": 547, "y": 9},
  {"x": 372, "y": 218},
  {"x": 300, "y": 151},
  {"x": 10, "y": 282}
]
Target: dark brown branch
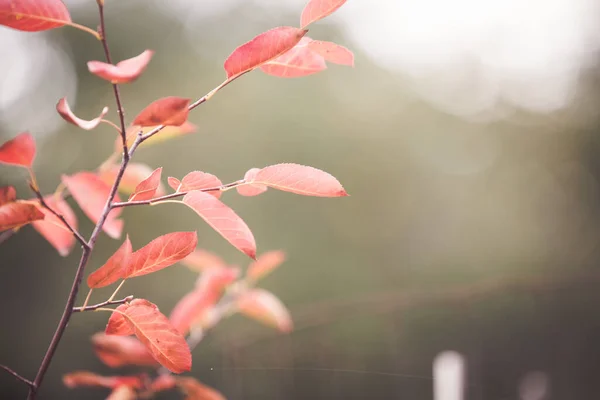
[
  {"x": 4, "y": 236},
  {"x": 104, "y": 303},
  {"x": 16, "y": 375}
]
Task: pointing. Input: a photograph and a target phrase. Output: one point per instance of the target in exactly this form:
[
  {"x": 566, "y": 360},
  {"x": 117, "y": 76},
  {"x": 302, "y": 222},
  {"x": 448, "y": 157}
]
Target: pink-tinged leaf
[
  {"x": 265, "y": 307},
  {"x": 53, "y": 229},
  {"x": 147, "y": 188},
  {"x": 299, "y": 61},
  {"x": 18, "y": 151},
  {"x": 195, "y": 390},
  {"x": 114, "y": 269},
  {"x": 332, "y": 52},
  {"x": 124, "y": 72},
  {"x": 123, "y": 392},
  {"x": 91, "y": 193},
  {"x": 197, "y": 180},
  {"x": 168, "y": 111},
  {"x": 134, "y": 174},
  {"x": 300, "y": 179},
  {"x": 117, "y": 351},
  {"x": 263, "y": 48},
  {"x": 16, "y": 214},
  {"x": 222, "y": 219},
  {"x": 207, "y": 292},
  {"x": 250, "y": 189},
  {"x": 85, "y": 378},
  {"x": 173, "y": 183},
  {"x": 318, "y": 9},
  {"x": 168, "y": 132},
  {"x": 8, "y": 194},
  {"x": 160, "y": 253},
  {"x": 65, "y": 112},
  {"x": 118, "y": 324},
  {"x": 264, "y": 264},
  {"x": 162, "y": 383},
  {"x": 33, "y": 15},
  {"x": 200, "y": 260},
  {"x": 153, "y": 329}
]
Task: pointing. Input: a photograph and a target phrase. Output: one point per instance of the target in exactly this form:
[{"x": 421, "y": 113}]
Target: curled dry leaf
[
  {"x": 147, "y": 188},
  {"x": 265, "y": 307},
  {"x": 222, "y": 219},
  {"x": 251, "y": 189},
  {"x": 200, "y": 260},
  {"x": 117, "y": 351},
  {"x": 91, "y": 193},
  {"x": 300, "y": 179},
  {"x": 62, "y": 107},
  {"x": 318, "y": 9},
  {"x": 124, "y": 72},
  {"x": 53, "y": 229},
  {"x": 33, "y": 15},
  {"x": 16, "y": 214},
  {"x": 332, "y": 52},
  {"x": 197, "y": 180},
  {"x": 114, "y": 269},
  {"x": 134, "y": 174},
  {"x": 168, "y": 111},
  {"x": 18, "y": 151},
  {"x": 299, "y": 61},
  {"x": 160, "y": 253},
  {"x": 262, "y": 49},
  {"x": 195, "y": 390},
  {"x": 264, "y": 264}
]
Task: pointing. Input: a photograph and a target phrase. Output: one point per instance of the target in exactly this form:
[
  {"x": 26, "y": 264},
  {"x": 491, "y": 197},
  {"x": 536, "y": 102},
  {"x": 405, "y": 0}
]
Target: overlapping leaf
[
  {"x": 16, "y": 214},
  {"x": 85, "y": 378},
  {"x": 63, "y": 109},
  {"x": 263, "y": 48},
  {"x": 148, "y": 187},
  {"x": 332, "y": 52},
  {"x": 264, "y": 264},
  {"x": 160, "y": 253},
  {"x": 200, "y": 260},
  {"x": 33, "y": 15},
  {"x": 197, "y": 180},
  {"x": 18, "y": 151},
  {"x": 299, "y": 61},
  {"x": 117, "y": 351},
  {"x": 222, "y": 219},
  {"x": 125, "y": 71},
  {"x": 114, "y": 269},
  {"x": 53, "y": 229},
  {"x": 133, "y": 175},
  {"x": 168, "y": 111},
  {"x": 318, "y": 9},
  {"x": 118, "y": 324},
  {"x": 265, "y": 307},
  {"x": 251, "y": 189}
]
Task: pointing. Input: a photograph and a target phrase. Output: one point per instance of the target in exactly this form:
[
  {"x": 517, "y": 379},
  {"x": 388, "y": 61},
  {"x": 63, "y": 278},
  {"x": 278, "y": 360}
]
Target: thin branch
[
  {"x": 104, "y": 303},
  {"x": 16, "y": 375},
  {"x": 5, "y": 235}
]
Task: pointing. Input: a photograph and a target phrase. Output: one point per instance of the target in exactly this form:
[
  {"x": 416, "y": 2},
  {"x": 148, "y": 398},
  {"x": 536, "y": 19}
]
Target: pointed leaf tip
[
  {"x": 147, "y": 188},
  {"x": 125, "y": 71},
  {"x": 18, "y": 151},
  {"x": 298, "y": 62},
  {"x": 318, "y": 9},
  {"x": 114, "y": 269},
  {"x": 63, "y": 109},
  {"x": 300, "y": 179}
]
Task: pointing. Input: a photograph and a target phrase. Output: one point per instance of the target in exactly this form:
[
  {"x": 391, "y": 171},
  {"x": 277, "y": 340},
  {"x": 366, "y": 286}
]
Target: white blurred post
[{"x": 448, "y": 376}]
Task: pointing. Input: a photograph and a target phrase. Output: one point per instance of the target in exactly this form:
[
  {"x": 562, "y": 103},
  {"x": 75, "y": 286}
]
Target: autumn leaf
[
  {"x": 318, "y": 9},
  {"x": 168, "y": 111},
  {"x": 125, "y": 71},
  {"x": 265, "y": 307},
  {"x": 33, "y": 15},
  {"x": 133, "y": 175},
  {"x": 197, "y": 180},
  {"x": 200, "y": 260},
  {"x": 222, "y": 219},
  {"x": 122, "y": 392},
  {"x": 264, "y": 264},
  {"x": 160, "y": 253},
  {"x": 153, "y": 329},
  {"x": 195, "y": 390},
  {"x": 8, "y": 194},
  {"x": 167, "y": 133},
  {"x": 162, "y": 383},
  {"x": 62, "y": 107},
  {"x": 299, "y": 61},
  {"x": 117, "y": 351},
  {"x": 263, "y": 48},
  {"x": 332, "y": 52},
  {"x": 147, "y": 188},
  {"x": 16, "y": 214},
  {"x": 118, "y": 324},
  {"x": 91, "y": 193},
  {"x": 18, "y": 151},
  {"x": 53, "y": 229},
  {"x": 114, "y": 269},
  {"x": 85, "y": 378},
  {"x": 251, "y": 189},
  {"x": 173, "y": 183}
]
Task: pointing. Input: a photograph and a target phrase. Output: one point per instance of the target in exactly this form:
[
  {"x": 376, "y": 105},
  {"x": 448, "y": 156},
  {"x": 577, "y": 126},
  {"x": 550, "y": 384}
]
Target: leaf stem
[
  {"x": 16, "y": 375},
  {"x": 117, "y": 290},
  {"x": 99, "y": 306},
  {"x": 87, "y": 298}
]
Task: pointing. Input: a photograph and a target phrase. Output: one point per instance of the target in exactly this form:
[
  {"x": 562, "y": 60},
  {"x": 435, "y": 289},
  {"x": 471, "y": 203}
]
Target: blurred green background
[{"x": 477, "y": 234}]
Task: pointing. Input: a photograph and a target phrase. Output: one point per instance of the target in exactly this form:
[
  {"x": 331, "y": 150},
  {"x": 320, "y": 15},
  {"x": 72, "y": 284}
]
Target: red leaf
[
  {"x": 113, "y": 269},
  {"x": 153, "y": 329},
  {"x": 195, "y": 390},
  {"x": 222, "y": 219},
  {"x": 173, "y": 183},
  {"x": 147, "y": 188},
  {"x": 201, "y": 260},
  {"x": 168, "y": 111},
  {"x": 300, "y": 179},
  {"x": 333, "y": 52},
  {"x": 197, "y": 180},
  {"x": 116, "y": 351},
  {"x": 8, "y": 194},
  {"x": 160, "y": 253},
  {"x": 264, "y": 264},
  {"x": 299, "y": 61},
  {"x": 117, "y": 324},
  {"x": 124, "y": 72},
  {"x": 207, "y": 292},
  {"x": 251, "y": 189},
  {"x": 91, "y": 193},
  {"x": 85, "y": 378},
  {"x": 162, "y": 383},
  {"x": 134, "y": 174},
  {"x": 264, "y": 306},
  {"x": 263, "y": 48},
  {"x": 33, "y": 15},
  {"x": 123, "y": 392},
  {"x": 65, "y": 112},
  {"x": 16, "y": 214},
  {"x": 318, "y": 9},
  {"x": 18, "y": 151},
  {"x": 53, "y": 229}
]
